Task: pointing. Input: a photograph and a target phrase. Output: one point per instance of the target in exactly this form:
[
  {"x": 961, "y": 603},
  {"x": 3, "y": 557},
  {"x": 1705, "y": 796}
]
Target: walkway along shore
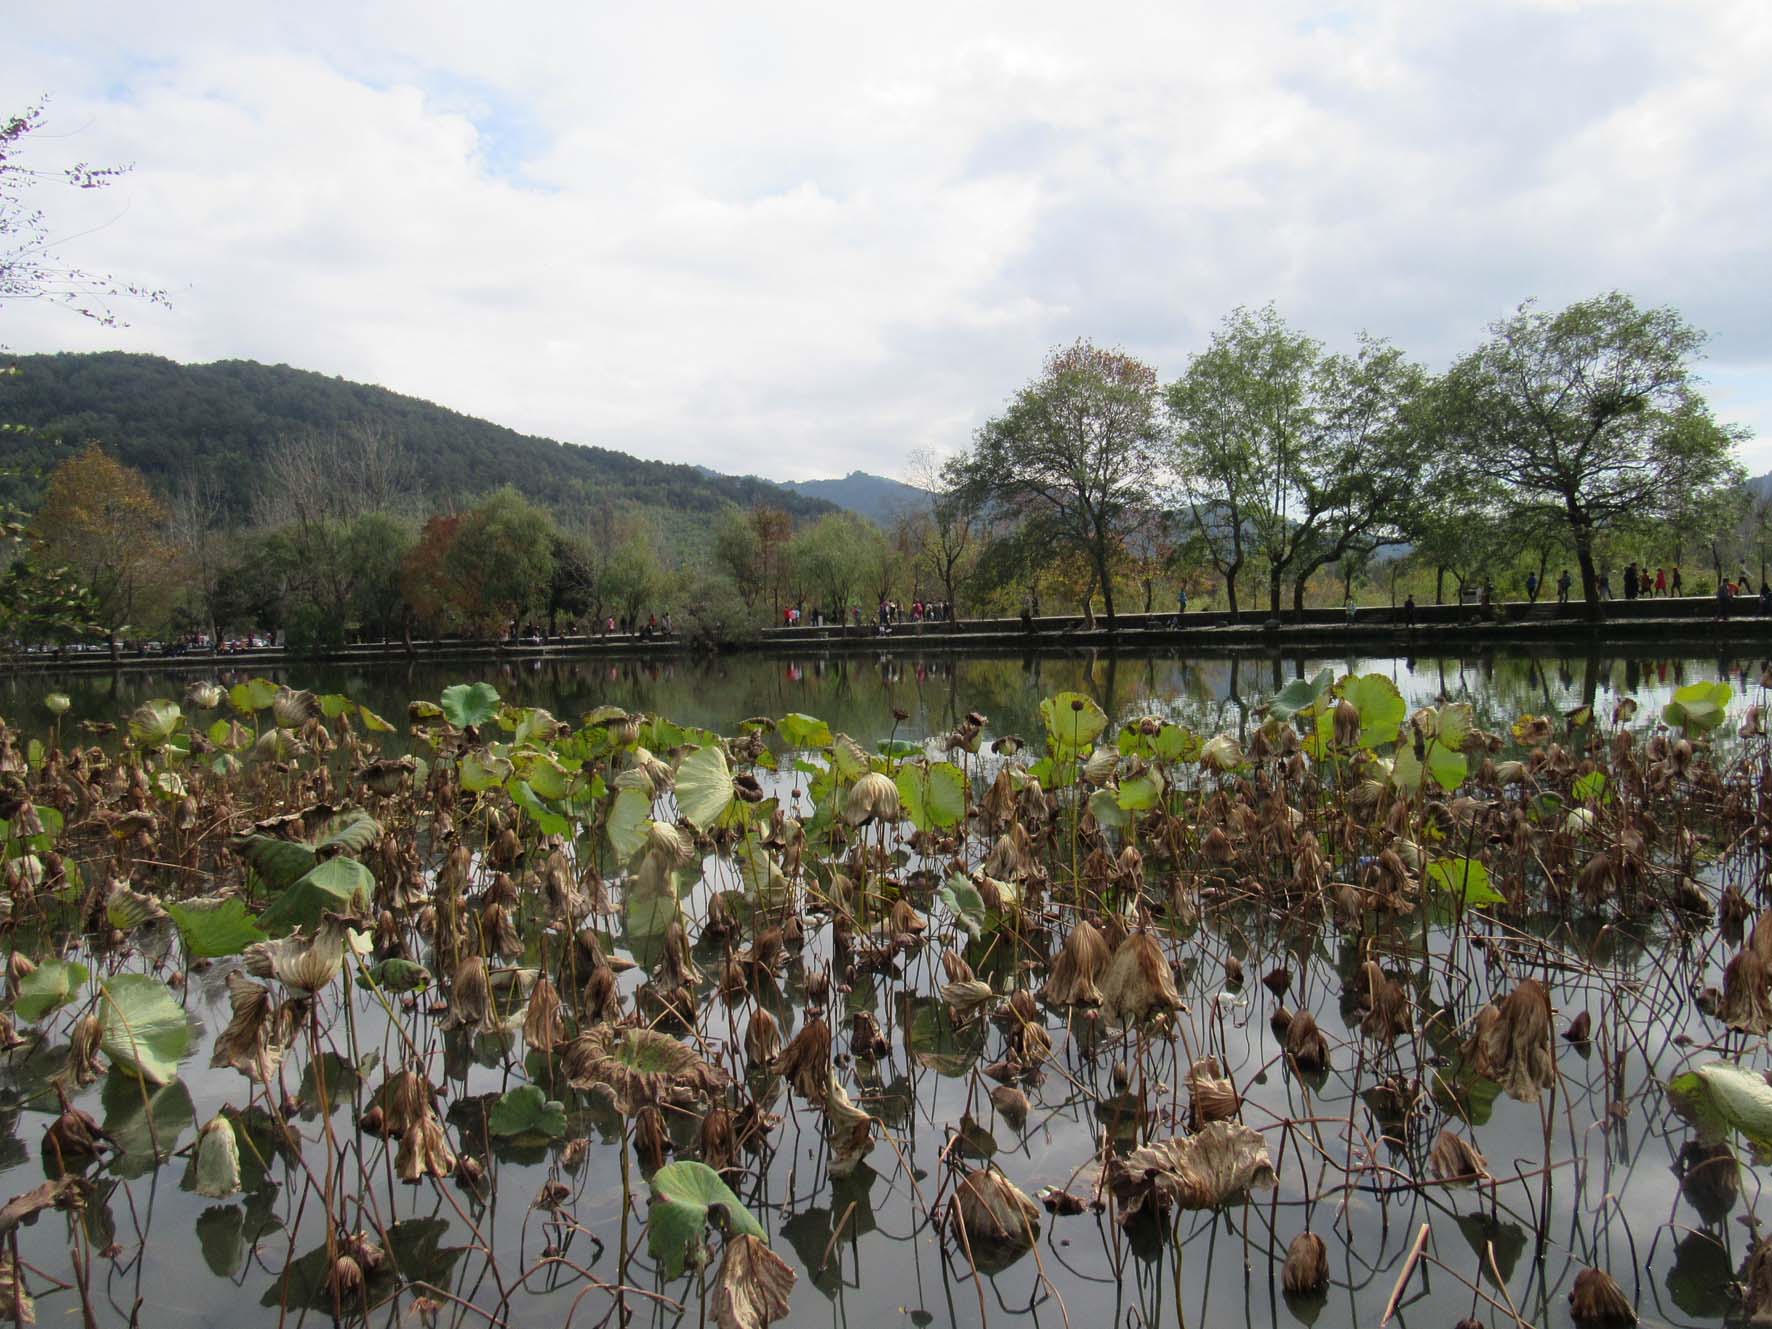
[{"x": 1688, "y": 622}]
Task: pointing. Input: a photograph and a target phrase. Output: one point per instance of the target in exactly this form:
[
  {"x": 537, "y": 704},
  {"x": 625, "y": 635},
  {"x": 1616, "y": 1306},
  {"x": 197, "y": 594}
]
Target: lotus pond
[{"x": 1070, "y": 991}]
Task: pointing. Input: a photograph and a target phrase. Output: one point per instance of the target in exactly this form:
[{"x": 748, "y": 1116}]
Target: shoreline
[{"x": 1690, "y": 622}]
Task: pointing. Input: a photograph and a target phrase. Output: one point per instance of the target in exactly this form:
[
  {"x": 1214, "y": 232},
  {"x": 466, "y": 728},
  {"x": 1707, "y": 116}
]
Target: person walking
[
  {"x": 1563, "y": 584},
  {"x": 1532, "y": 587},
  {"x": 1409, "y": 610},
  {"x": 1661, "y": 581},
  {"x": 1674, "y": 581}
]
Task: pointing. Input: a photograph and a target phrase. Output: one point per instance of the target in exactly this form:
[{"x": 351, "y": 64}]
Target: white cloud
[{"x": 799, "y": 240}]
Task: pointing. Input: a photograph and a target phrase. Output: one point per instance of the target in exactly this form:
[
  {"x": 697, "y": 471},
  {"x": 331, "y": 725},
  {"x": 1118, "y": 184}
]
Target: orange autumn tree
[{"x": 101, "y": 521}]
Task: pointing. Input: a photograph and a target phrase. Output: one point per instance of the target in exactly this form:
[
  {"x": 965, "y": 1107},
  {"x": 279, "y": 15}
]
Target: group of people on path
[{"x": 888, "y": 613}]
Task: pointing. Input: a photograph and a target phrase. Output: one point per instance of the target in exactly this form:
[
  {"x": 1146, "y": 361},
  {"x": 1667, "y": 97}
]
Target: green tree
[
  {"x": 635, "y": 576},
  {"x": 502, "y": 558},
  {"x": 1296, "y": 457},
  {"x": 835, "y": 558},
  {"x": 1593, "y": 414},
  {"x": 1074, "y": 454}
]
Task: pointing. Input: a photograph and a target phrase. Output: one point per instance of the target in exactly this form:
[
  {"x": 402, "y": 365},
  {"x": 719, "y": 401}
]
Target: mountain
[
  {"x": 875, "y": 497},
  {"x": 220, "y": 420}
]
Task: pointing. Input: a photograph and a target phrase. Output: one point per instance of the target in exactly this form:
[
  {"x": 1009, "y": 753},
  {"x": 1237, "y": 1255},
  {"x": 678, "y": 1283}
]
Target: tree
[
  {"x": 195, "y": 527},
  {"x": 833, "y": 558},
  {"x": 635, "y": 576},
  {"x": 30, "y": 266},
  {"x": 1235, "y": 412},
  {"x": 739, "y": 552},
  {"x": 1074, "y": 453},
  {"x": 502, "y": 557},
  {"x": 1593, "y": 414},
  {"x": 946, "y": 530},
  {"x": 1295, "y": 456},
  {"x": 100, "y": 520}
]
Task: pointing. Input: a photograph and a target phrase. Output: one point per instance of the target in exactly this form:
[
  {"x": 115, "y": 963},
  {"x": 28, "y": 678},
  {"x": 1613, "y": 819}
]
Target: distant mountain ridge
[
  {"x": 879, "y": 498},
  {"x": 220, "y": 420}
]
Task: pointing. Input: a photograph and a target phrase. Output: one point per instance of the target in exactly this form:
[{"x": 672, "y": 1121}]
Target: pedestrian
[
  {"x": 1630, "y": 581},
  {"x": 1532, "y": 587},
  {"x": 1563, "y": 584},
  {"x": 1605, "y": 586},
  {"x": 1674, "y": 581},
  {"x": 1722, "y": 597},
  {"x": 1350, "y": 608},
  {"x": 1180, "y": 600},
  {"x": 1409, "y": 610}
]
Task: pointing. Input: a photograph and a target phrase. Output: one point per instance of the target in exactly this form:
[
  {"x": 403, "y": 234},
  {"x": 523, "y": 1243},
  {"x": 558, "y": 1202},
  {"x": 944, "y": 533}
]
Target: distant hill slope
[
  {"x": 221, "y": 419},
  {"x": 875, "y": 497}
]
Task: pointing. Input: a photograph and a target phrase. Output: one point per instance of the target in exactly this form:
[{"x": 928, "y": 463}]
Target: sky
[{"x": 796, "y": 240}]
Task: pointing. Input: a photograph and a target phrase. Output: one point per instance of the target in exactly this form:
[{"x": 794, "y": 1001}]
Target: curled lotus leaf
[
  {"x": 637, "y": 1066},
  {"x": 1222, "y": 1160},
  {"x": 753, "y": 1285}
]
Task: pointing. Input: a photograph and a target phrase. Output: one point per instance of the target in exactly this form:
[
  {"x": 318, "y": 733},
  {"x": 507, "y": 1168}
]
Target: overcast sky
[{"x": 796, "y": 240}]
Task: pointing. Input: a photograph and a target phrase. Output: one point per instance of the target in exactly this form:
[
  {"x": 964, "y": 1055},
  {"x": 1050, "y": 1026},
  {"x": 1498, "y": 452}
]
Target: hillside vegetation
[{"x": 218, "y": 422}]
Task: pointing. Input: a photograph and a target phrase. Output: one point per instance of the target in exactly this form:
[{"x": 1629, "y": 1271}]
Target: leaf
[
  {"x": 704, "y": 786},
  {"x": 1592, "y": 785},
  {"x": 373, "y": 722},
  {"x": 137, "y": 1118},
  {"x": 396, "y": 975},
  {"x": 1721, "y": 1096},
  {"x": 804, "y": 731},
  {"x": 1105, "y": 807},
  {"x": 526, "y": 1110},
  {"x": 467, "y": 704},
  {"x": 256, "y": 694},
  {"x": 214, "y": 928},
  {"x": 630, "y": 817},
  {"x": 1300, "y": 694},
  {"x": 218, "y": 1160},
  {"x": 1222, "y": 1160},
  {"x": 1174, "y": 743},
  {"x": 144, "y": 1028},
  {"x": 1465, "y": 877},
  {"x": 1073, "y": 721},
  {"x": 933, "y": 794},
  {"x": 54, "y": 983},
  {"x": 752, "y": 1289},
  {"x": 337, "y": 886},
  {"x": 355, "y": 831},
  {"x": 549, "y": 821},
  {"x": 1448, "y": 766},
  {"x": 683, "y": 1193},
  {"x": 153, "y": 723},
  {"x": 1380, "y": 704},
  {"x": 1698, "y": 707},
  {"x": 279, "y": 863},
  {"x": 964, "y": 902},
  {"x": 1141, "y": 792},
  {"x": 480, "y": 770}
]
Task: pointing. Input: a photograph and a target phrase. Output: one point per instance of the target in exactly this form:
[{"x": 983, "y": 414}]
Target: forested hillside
[{"x": 219, "y": 421}]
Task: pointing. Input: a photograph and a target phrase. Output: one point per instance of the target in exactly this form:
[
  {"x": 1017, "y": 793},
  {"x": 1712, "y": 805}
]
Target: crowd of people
[{"x": 886, "y": 615}]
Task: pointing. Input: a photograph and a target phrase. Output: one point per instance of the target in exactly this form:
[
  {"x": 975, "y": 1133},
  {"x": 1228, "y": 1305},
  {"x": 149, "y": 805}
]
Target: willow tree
[
  {"x": 1073, "y": 455},
  {"x": 1592, "y": 414}
]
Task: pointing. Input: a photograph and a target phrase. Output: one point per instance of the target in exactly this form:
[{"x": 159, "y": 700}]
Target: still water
[{"x": 1591, "y": 1176}]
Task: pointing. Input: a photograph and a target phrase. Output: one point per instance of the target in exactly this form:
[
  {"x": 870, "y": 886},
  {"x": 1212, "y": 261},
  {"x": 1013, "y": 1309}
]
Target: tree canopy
[{"x": 1592, "y": 413}]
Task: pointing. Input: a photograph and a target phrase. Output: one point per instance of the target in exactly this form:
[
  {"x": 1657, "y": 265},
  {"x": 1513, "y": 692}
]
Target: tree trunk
[
  {"x": 1440, "y": 584},
  {"x": 1230, "y": 588},
  {"x": 1298, "y": 595},
  {"x": 1590, "y": 581},
  {"x": 1273, "y": 589}
]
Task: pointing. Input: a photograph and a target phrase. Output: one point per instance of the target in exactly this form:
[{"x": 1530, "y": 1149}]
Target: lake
[{"x": 1598, "y": 1171}]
